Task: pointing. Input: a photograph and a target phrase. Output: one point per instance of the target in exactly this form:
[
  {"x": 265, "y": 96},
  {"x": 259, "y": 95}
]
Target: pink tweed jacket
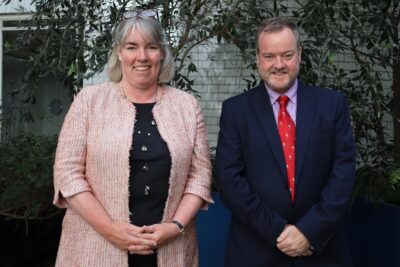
[{"x": 93, "y": 155}]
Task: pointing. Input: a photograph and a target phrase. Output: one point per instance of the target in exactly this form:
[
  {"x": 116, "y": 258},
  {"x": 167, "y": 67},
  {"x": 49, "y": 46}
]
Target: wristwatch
[{"x": 180, "y": 226}]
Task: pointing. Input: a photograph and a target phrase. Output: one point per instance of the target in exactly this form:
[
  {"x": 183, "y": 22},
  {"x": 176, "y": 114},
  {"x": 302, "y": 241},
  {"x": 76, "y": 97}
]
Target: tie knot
[{"x": 283, "y": 100}]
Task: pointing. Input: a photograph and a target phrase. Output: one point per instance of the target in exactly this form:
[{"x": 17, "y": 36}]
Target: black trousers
[{"x": 142, "y": 260}]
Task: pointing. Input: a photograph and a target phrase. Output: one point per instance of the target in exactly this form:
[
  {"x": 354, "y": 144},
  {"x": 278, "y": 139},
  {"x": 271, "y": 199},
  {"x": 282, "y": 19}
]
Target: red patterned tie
[{"x": 287, "y": 132}]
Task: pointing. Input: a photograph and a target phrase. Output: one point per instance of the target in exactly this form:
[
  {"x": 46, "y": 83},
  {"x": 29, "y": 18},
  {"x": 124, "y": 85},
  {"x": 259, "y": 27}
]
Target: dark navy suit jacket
[{"x": 253, "y": 183}]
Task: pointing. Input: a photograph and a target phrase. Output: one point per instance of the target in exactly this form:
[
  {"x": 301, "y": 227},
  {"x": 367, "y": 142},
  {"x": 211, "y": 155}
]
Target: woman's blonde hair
[{"x": 154, "y": 33}]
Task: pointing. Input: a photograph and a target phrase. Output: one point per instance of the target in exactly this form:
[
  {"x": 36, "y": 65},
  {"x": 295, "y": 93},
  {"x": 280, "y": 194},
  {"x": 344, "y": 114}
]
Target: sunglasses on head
[{"x": 135, "y": 13}]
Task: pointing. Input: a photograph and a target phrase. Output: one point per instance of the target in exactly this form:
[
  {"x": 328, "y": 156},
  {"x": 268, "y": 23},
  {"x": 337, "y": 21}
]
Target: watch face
[{"x": 56, "y": 107}]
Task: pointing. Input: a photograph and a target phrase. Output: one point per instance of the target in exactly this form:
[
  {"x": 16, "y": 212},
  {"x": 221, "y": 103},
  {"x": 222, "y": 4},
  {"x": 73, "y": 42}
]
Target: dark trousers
[{"x": 142, "y": 260}]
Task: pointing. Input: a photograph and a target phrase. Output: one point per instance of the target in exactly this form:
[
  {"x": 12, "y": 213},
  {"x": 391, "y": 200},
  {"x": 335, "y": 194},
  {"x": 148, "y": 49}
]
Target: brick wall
[{"x": 220, "y": 75}]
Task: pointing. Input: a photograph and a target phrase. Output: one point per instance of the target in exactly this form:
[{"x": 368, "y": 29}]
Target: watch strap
[{"x": 180, "y": 226}]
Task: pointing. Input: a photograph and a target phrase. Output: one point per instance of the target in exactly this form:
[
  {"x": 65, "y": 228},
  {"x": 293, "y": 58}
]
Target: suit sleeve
[
  {"x": 235, "y": 191},
  {"x": 319, "y": 222}
]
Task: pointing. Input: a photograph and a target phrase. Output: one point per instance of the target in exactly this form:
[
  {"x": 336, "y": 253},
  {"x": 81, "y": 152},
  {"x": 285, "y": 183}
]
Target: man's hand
[{"x": 293, "y": 243}]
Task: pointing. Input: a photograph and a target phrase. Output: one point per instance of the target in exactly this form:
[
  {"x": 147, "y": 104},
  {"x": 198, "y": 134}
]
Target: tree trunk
[{"x": 396, "y": 103}]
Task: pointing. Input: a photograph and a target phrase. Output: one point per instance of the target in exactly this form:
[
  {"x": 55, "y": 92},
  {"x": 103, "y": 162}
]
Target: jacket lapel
[
  {"x": 265, "y": 117},
  {"x": 304, "y": 118}
]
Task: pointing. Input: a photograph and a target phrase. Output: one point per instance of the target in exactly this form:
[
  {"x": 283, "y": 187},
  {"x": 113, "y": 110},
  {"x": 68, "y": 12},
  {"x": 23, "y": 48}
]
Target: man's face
[{"x": 278, "y": 59}]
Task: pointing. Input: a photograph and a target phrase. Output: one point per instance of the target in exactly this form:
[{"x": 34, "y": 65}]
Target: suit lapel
[
  {"x": 304, "y": 118},
  {"x": 265, "y": 117}
]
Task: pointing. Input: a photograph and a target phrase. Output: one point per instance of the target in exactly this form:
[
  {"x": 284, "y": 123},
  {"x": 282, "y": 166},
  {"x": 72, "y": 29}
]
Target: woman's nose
[{"x": 142, "y": 54}]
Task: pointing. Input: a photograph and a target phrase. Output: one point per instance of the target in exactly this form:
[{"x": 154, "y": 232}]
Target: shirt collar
[{"x": 291, "y": 93}]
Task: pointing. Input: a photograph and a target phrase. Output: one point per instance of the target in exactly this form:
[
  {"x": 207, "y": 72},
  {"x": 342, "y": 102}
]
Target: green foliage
[
  {"x": 242, "y": 26},
  {"x": 71, "y": 39},
  {"x": 354, "y": 29},
  {"x": 65, "y": 43},
  {"x": 394, "y": 179},
  {"x": 378, "y": 184},
  {"x": 26, "y": 177},
  {"x": 365, "y": 34}
]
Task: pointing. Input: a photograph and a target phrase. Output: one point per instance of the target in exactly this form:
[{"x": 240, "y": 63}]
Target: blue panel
[
  {"x": 212, "y": 230},
  {"x": 373, "y": 234}
]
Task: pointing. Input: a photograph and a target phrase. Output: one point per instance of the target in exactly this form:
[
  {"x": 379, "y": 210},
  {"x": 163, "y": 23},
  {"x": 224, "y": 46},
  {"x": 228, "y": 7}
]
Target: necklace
[
  {"x": 144, "y": 148},
  {"x": 130, "y": 100},
  {"x": 144, "y": 136}
]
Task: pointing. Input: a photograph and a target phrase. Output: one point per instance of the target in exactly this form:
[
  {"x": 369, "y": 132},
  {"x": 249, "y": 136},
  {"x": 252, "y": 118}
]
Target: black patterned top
[{"x": 150, "y": 164}]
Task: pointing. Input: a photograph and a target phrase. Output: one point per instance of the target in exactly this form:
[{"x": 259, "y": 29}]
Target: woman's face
[{"x": 140, "y": 61}]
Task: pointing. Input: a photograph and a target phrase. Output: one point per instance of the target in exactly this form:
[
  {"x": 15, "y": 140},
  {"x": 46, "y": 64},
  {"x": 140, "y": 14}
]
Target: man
[{"x": 285, "y": 162}]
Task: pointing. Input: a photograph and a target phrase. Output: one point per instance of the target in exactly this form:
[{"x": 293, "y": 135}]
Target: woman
[{"x": 132, "y": 164}]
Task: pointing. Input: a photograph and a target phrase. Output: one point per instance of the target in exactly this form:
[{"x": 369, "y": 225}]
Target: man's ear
[
  {"x": 300, "y": 51},
  {"x": 257, "y": 59}
]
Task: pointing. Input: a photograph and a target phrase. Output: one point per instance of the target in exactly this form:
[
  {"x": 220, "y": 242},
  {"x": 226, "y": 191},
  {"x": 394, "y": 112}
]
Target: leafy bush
[
  {"x": 26, "y": 184},
  {"x": 377, "y": 184}
]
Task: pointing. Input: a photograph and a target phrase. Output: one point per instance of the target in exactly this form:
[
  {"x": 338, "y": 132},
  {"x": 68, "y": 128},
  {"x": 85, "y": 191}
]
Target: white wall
[{"x": 15, "y": 6}]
